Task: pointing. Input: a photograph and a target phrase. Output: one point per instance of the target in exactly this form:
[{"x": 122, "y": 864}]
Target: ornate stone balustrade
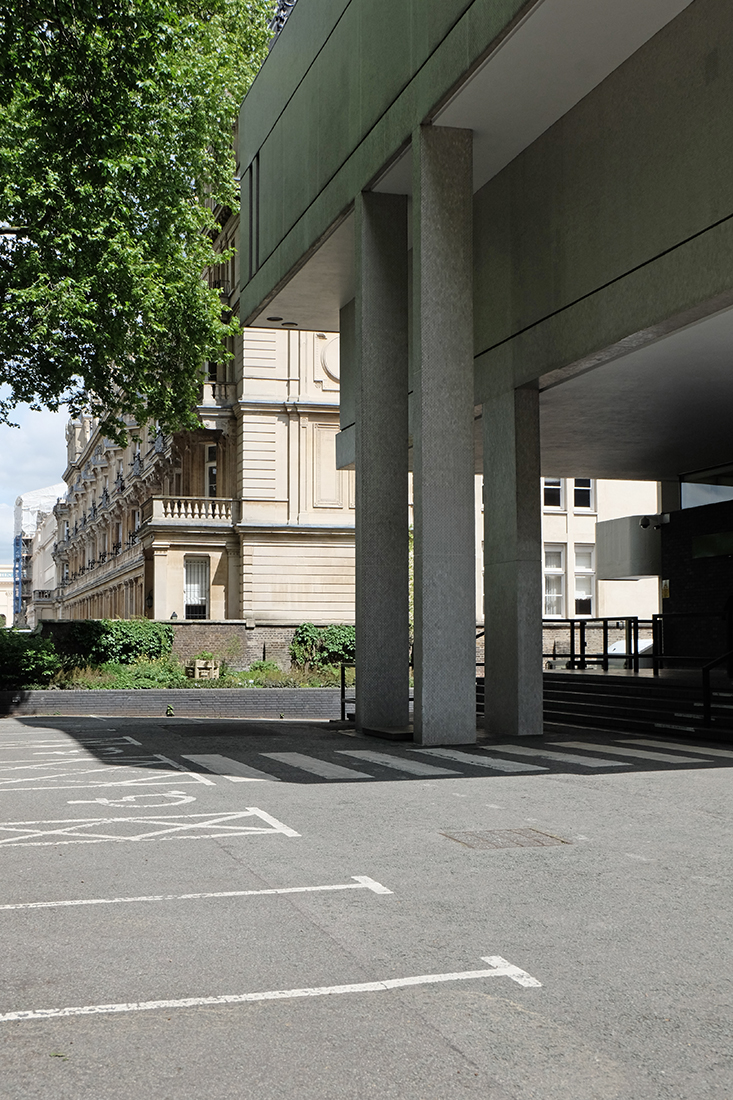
[{"x": 192, "y": 510}]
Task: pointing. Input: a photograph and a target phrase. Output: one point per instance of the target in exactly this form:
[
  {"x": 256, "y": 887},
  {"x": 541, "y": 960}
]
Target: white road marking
[
  {"x": 99, "y": 830},
  {"x": 233, "y": 770},
  {"x": 492, "y": 762},
  {"x": 316, "y": 767},
  {"x": 131, "y": 801},
  {"x": 361, "y": 882},
  {"x": 499, "y": 968},
  {"x": 411, "y": 767},
  {"x": 658, "y": 756},
  {"x": 155, "y": 780},
  {"x": 564, "y": 757},
  {"x": 673, "y": 745}
]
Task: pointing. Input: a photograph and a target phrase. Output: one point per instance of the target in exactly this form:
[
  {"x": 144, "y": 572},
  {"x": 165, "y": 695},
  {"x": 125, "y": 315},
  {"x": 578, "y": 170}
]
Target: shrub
[
  {"x": 161, "y": 672},
  {"x": 97, "y": 641},
  {"x": 316, "y": 647},
  {"x": 26, "y": 660}
]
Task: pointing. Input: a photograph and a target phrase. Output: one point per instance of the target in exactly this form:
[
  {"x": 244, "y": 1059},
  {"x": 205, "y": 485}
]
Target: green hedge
[
  {"x": 96, "y": 641},
  {"x": 26, "y": 660},
  {"x": 314, "y": 646}
]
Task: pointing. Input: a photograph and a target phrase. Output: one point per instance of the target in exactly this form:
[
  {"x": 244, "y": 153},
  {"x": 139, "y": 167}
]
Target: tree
[{"x": 115, "y": 147}]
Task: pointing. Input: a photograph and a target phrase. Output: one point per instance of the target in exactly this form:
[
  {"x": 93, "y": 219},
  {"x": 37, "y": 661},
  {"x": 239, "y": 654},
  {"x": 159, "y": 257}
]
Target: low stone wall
[{"x": 292, "y": 703}]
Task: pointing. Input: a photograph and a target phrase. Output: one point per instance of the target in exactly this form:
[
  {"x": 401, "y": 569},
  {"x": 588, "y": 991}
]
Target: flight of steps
[{"x": 644, "y": 705}]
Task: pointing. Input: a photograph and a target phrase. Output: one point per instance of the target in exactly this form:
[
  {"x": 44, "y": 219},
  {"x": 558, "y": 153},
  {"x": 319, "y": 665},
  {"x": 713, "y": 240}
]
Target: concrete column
[
  {"x": 382, "y": 618},
  {"x": 443, "y": 444},
  {"x": 513, "y": 564}
]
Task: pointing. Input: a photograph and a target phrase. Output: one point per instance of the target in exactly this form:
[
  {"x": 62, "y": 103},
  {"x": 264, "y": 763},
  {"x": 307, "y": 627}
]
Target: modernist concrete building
[{"x": 519, "y": 215}]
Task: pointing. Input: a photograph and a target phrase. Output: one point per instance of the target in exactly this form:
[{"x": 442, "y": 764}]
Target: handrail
[
  {"x": 579, "y": 657},
  {"x": 344, "y": 700},
  {"x": 706, "y": 691}
]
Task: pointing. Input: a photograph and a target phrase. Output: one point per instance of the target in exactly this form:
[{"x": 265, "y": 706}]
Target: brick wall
[
  {"x": 233, "y": 642},
  {"x": 289, "y": 703}
]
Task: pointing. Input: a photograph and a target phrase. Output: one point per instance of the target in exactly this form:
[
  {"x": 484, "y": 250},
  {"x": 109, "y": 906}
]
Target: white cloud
[
  {"x": 6, "y": 534},
  {"x": 33, "y": 456}
]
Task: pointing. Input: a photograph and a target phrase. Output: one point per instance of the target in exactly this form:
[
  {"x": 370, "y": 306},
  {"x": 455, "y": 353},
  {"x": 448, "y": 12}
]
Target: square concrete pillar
[
  {"x": 380, "y": 394},
  {"x": 443, "y": 445},
  {"x": 513, "y": 564}
]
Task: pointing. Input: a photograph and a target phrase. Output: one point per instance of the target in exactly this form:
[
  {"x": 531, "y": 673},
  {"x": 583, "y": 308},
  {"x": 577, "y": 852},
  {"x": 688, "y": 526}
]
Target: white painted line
[
  {"x": 99, "y": 830},
  {"x": 410, "y": 767},
  {"x": 155, "y": 780},
  {"x": 492, "y": 762},
  {"x": 361, "y": 882},
  {"x": 323, "y": 768},
  {"x": 726, "y": 753},
  {"x": 658, "y": 756},
  {"x": 563, "y": 757},
  {"x": 233, "y": 770},
  {"x": 499, "y": 968},
  {"x": 183, "y": 768}
]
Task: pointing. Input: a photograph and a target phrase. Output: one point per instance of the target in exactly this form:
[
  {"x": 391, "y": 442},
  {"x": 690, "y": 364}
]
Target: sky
[{"x": 31, "y": 457}]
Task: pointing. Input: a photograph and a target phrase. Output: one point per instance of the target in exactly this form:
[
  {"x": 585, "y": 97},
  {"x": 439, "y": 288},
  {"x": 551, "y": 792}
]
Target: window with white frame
[
  {"x": 585, "y": 579},
  {"x": 554, "y": 581},
  {"x": 552, "y": 493},
  {"x": 584, "y": 494},
  {"x": 196, "y": 588}
]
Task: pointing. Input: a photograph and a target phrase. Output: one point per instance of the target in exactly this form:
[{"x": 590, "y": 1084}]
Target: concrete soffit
[{"x": 553, "y": 56}]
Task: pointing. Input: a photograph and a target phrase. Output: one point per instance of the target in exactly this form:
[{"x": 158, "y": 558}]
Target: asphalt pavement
[{"x": 213, "y": 909}]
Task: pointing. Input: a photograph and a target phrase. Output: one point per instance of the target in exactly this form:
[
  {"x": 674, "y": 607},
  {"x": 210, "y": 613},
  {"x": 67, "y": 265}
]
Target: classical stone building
[{"x": 246, "y": 518}]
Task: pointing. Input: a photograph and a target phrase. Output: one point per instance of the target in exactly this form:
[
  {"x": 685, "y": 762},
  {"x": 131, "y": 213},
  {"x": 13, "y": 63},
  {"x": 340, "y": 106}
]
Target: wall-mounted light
[
  {"x": 149, "y": 600},
  {"x": 174, "y": 616}
]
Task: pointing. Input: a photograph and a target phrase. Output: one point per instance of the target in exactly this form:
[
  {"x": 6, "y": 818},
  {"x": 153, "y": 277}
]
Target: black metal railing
[
  {"x": 707, "y": 691},
  {"x": 578, "y": 655},
  {"x": 661, "y": 655},
  {"x": 344, "y": 697}
]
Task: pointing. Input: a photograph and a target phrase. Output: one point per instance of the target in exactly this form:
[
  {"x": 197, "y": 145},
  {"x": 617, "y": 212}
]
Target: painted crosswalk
[
  {"x": 323, "y": 768},
  {"x": 725, "y": 753},
  {"x": 561, "y": 757},
  {"x": 397, "y": 763},
  {"x": 233, "y": 770},
  {"x": 642, "y": 754},
  {"x": 491, "y": 762}
]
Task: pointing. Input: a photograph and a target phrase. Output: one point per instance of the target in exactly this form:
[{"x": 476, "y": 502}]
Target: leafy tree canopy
[{"x": 115, "y": 143}]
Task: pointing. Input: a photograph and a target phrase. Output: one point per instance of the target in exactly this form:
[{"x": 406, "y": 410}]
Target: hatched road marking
[
  {"x": 499, "y": 968},
  {"x": 99, "y": 830}
]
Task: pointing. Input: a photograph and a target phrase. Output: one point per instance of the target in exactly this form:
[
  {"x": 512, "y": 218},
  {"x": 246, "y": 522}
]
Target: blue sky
[{"x": 31, "y": 457}]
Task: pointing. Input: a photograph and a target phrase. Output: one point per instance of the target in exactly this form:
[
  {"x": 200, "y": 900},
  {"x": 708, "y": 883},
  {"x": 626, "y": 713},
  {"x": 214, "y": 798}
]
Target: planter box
[{"x": 202, "y": 670}]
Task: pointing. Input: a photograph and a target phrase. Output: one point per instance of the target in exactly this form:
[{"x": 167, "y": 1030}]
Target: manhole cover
[{"x": 506, "y": 838}]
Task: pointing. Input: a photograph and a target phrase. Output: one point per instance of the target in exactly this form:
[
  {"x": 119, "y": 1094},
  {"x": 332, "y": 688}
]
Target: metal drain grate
[{"x": 506, "y": 838}]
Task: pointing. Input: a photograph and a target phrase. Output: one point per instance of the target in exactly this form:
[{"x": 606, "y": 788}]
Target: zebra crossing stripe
[
  {"x": 726, "y": 753},
  {"x": 491, "y": 762},
  {"x": 233, "y": 770},
  {"x": 323, "y": 768},
  {"x": 410, "y": 767},
  {"x": 656, "y": 756},
  {"x": 564, "y": 757}
]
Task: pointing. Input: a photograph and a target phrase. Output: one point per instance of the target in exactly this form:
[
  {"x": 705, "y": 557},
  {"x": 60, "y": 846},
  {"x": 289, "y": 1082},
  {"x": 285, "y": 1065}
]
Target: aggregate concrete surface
[{"x": 607, "y": 932}]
